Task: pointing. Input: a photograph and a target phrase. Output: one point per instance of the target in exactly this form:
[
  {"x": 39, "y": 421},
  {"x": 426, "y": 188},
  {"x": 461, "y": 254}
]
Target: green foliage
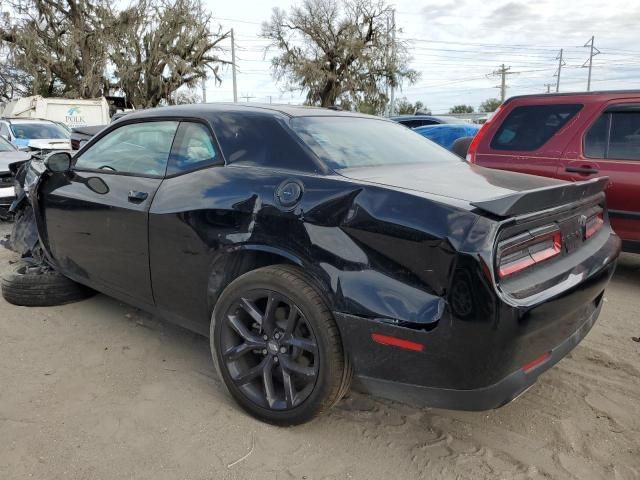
[
  {"x": 461, "y": 109},
  {"x": 405, "y": 107},
  {"x": 490, "y": 105}
]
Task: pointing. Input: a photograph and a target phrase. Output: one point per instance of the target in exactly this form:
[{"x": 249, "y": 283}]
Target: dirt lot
[{"x": 98, "y": 390}]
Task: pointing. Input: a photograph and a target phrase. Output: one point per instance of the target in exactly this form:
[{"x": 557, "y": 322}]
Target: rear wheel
[
  {"x": 277, "y": 347},
  {"x": 40, "y": 286}
]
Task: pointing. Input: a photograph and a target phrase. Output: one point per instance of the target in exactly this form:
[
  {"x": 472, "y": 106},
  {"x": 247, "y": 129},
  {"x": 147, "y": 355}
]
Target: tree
[
  {"x": 87, "y": 48},
  {"x": 14, "y": 83},
  {"x": 58, "y": 44},
  {"x": 461, "y": 109},
  {"x": 160, "y": 47},
  {"x": 405, "y": 107},
  {"x": 490, "y": 105},
  {"x": 337, "y": 52},
  {"x": 186, "y": 96}
]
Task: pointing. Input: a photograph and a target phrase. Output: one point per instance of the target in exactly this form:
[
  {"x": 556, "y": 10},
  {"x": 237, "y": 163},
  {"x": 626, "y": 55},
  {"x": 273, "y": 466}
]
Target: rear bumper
[
  {"x": 484, "y": 398},
  {"x": 477, "y": 357}
]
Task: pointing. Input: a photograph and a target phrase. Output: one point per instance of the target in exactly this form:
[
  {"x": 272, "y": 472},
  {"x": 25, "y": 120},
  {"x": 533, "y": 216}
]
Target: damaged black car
[{"x": 319, "y": 251}]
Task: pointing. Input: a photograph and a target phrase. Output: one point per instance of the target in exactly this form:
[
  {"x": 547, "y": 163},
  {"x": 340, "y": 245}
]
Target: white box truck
[{"x": 71, "y": 112}]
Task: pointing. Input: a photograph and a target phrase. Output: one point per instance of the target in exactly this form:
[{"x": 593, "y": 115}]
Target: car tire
[
  {"x": 306, "y": 380},
  {"x": 36, "y": 286}
]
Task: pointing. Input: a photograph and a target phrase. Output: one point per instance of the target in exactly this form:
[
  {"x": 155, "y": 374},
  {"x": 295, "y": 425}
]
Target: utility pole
[
  {"x": 590, "y": 44},
  {"x": 503, "y": 72},
  {"x": 386, "y": 59},
  {"x": 548, "y": 85},
  {"x": 561, "y": 63},
  {"x": 393, "y": 57},
  {"x": 233, "y": 68},
  {"x": 270, "y": 100},
  {"x": 247, "y": 97}
]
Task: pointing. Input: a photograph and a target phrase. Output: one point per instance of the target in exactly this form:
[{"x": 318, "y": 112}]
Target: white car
[
  {"x": 34, "y": 134},
  {"x": 8, "y": 155}
]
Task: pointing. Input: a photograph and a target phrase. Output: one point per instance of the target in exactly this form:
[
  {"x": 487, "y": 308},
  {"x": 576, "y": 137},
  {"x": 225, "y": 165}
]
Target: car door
[
  {"x": 611, "y": 147},
  {"x": 96, "y": 216}
]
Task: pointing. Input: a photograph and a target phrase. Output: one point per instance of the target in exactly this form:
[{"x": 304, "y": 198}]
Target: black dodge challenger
[{"x": 319, "y": 250}]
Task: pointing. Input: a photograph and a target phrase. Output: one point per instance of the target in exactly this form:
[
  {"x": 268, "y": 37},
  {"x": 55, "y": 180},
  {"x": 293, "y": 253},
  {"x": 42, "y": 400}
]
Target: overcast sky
[{"x": 456, "y": 45}]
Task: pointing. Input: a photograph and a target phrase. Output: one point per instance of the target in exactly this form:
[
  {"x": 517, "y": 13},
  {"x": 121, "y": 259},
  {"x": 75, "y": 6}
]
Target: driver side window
[{"x": 137, "y": 148}]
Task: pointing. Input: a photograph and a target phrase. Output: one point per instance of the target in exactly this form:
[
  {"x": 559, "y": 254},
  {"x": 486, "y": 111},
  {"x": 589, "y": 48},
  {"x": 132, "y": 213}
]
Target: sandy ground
[{"x": 98, "y": 390}]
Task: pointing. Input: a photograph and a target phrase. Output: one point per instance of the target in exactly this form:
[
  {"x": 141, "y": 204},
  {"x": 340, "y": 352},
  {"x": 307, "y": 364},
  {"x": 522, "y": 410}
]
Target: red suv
[{"x": 572, "y": 136}]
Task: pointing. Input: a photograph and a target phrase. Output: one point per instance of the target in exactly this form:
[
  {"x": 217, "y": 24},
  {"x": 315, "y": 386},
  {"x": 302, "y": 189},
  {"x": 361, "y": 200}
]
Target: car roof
[
  {"x": 204, "y": 109},
  {"x": 583, "y": 96}
]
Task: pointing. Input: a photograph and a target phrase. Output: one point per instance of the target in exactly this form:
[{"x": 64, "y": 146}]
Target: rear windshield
[
  {"x": 39, "y": 130},
  {"x": 527, "y": 128},
  {"x": 348, "y": 142}
]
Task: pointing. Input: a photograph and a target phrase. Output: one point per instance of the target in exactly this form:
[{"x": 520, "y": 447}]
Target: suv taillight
[
  {"x": 528, "y": 249},
  {"x": 473, "y": 146}
]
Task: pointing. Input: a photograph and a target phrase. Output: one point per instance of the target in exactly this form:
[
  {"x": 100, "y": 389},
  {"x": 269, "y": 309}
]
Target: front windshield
[
  {"x": 348, "y": 142},
  {"x": 6, "y": 146},
  {"x": 39, "y": 130}
]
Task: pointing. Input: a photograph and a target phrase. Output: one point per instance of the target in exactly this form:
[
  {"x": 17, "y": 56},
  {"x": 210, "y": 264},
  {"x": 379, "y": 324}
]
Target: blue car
[{"x": 446, "y": 134}]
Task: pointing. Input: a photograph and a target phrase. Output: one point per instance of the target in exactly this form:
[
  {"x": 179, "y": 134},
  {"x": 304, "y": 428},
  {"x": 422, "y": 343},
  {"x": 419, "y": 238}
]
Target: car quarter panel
[{"x": 376, "y": 253}]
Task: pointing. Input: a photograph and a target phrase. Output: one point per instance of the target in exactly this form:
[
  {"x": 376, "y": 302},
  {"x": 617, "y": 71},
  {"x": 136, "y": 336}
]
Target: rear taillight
[
  {"x": 527, "y": 250},
  {"x": 594, "y": 224},
  {"x": 473, "y": 146}
]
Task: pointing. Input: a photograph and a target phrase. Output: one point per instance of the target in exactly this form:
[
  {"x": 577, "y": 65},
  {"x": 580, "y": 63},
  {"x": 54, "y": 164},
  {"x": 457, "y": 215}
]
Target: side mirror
[{"x": 58, "y": 162}]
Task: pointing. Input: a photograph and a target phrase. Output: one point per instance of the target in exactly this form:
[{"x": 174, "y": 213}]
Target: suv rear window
[{"x": 527, "y": 128}]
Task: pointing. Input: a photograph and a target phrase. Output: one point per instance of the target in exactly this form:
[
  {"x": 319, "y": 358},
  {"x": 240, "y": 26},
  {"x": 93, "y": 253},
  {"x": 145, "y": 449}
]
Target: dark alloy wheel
[{"x": 277, "y": 347}]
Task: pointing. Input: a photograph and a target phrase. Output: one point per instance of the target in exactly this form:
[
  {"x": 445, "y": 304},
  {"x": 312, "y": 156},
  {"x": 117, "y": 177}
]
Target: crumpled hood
[
  {"x": 45, "y": 143},
  {"x": 458, "y": 180}
]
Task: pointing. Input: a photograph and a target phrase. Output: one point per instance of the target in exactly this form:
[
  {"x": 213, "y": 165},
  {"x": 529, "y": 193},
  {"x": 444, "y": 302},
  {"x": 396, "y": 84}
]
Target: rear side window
[
  {"x": 615, "y": 135},
  {"x": 260, "y": 140},
  {"x": 193, "y": 148},
  {"x": 527, "y": 128},
  {"x": 624, "y": 139}
]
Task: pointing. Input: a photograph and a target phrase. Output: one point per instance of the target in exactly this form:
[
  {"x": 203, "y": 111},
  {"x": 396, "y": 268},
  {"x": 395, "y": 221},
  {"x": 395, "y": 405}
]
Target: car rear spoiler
[{"x": 543, "y": 198}]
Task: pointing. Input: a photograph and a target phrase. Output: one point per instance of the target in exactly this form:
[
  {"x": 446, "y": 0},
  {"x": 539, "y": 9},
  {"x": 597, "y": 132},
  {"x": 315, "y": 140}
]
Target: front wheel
[{"x": 277, "y": 347}]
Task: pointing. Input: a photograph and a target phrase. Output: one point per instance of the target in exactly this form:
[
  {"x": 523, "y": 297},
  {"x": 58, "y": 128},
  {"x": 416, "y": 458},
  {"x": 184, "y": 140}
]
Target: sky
[{"x": 457, "y": 44}]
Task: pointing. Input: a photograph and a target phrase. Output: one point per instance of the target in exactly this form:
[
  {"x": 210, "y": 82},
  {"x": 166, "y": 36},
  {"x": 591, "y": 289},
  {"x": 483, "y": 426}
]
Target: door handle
[
  {"x": 582, "y": 170},
  {"x": 137, "y": 197}
]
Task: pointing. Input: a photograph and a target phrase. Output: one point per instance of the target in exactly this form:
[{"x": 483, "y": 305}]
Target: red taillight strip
[
  {"x": 527, "y": 367},
  {"x": 533, "y": 258},
  {"x": 396, "y": 342}
]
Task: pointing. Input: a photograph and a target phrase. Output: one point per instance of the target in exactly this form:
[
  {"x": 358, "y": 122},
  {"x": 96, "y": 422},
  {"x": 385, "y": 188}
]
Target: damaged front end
[{"x": 24, "y": 238}]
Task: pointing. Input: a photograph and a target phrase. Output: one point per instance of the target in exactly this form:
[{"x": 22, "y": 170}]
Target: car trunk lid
[{"x": 500, "y": 193}]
